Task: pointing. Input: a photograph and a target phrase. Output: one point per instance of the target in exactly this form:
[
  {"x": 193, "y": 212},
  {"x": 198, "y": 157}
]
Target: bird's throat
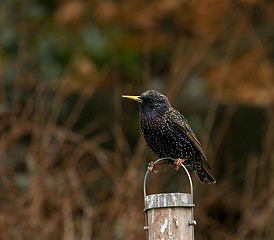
[{"x": 151, "y": 120}]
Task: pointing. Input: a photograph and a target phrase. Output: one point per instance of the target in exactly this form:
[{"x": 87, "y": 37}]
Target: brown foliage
[{"x": 72, "y": 158}]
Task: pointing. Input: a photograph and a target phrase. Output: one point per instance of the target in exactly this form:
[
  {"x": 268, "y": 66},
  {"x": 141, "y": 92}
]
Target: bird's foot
[
  {"x": 151, "y": 167},
  {"x": 178, "y": 162}
]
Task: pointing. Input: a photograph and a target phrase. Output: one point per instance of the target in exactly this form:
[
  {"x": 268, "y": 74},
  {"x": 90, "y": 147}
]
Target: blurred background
[{"x": 72, "y": 156}]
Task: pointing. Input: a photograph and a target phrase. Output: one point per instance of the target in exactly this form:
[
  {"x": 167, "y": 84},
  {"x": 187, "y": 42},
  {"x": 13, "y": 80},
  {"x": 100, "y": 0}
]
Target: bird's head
[{"x": 151, "y": 103}]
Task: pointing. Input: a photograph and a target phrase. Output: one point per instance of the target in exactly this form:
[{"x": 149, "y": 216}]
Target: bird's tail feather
[{"x": 203, "y": 174}]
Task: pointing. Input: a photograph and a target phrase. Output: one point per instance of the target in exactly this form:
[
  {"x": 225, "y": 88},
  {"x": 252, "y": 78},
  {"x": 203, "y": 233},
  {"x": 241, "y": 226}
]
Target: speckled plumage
[{"x": 168, "y": 133}]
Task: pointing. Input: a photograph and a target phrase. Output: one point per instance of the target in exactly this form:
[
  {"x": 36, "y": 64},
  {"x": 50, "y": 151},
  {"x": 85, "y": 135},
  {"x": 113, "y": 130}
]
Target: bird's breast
[
  {"x": 154, "y": 138},
  {"x": 165, "y": 140}
]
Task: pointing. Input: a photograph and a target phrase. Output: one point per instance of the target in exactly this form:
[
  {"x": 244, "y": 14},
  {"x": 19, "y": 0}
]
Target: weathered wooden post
[{"x": 169, "y": 216}]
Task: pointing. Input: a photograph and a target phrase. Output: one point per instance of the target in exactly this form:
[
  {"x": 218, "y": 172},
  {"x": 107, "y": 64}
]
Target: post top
[{"x": 164, "y": 200}]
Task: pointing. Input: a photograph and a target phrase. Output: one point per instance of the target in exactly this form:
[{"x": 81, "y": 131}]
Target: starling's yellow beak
[{"x": 135, "y": 98}]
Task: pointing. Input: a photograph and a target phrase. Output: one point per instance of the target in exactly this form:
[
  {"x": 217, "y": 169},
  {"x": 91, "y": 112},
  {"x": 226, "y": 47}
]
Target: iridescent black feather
[{"x": 168, "y": 133}]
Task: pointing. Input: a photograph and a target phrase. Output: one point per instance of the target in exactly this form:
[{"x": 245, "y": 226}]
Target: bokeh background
[{"x": 72, "y": 156}]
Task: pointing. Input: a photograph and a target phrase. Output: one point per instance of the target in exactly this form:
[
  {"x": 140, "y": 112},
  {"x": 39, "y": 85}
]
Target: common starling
[{"x": 168, "y": 133}]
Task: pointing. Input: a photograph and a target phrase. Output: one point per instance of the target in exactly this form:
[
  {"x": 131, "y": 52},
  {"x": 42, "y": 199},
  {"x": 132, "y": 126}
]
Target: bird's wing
[{"x": 180, "y": 121}]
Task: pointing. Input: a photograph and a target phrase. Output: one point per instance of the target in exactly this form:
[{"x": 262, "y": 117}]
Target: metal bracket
[{"x": 193, "y": 222}]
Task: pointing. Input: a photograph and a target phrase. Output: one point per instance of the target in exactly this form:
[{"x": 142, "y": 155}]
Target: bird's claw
[
  {"x": 151, "y": 167},
  {"x": 178, "y": 162}
]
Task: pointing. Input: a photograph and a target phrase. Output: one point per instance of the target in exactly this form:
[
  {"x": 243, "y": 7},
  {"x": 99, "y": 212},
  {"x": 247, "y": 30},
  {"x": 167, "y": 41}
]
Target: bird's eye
[{"x": 149, "y": 101}]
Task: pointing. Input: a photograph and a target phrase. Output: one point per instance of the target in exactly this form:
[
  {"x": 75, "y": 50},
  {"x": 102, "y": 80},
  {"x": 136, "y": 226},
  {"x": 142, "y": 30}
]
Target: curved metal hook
[{"x": 162, "y": 160}]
